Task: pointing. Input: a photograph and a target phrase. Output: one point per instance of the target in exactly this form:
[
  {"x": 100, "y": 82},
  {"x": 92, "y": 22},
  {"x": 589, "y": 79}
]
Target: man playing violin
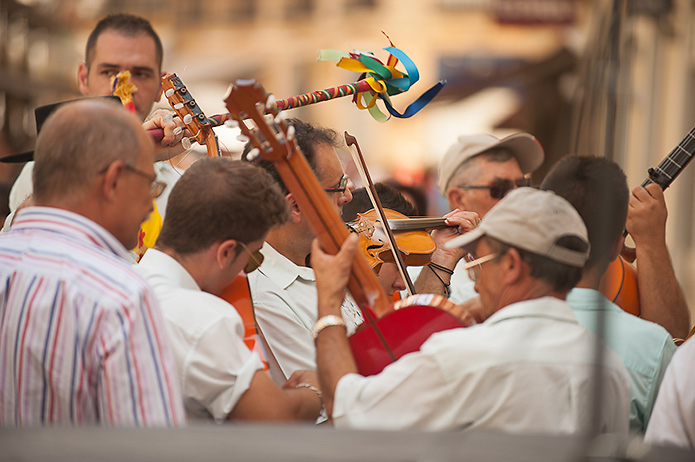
[
  {"x": 597, "y": 188},
  {"x": 191, "y": 265},
  {"x": 391, "y": 199},
  {"x": 283, "y": 289},
  {"x": 476, "y": 172},
  {"x": 525, "y": 370}
]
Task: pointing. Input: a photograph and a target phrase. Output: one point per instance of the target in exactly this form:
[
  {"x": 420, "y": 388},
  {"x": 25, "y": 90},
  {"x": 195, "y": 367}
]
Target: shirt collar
[
  {"x": 281, "y": 270},
  {"x": 544, "y": 307},
  {"x": 69, "y": 224},
  {"x": 585, "y": 299},
  {"x": 170, "y": 268}
]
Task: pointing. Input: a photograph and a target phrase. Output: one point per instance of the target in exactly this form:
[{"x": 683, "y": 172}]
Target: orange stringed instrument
[
  {"x": 237, "y": 293},
  {"x": 187, "y": 109},
  {"x": 389, "y": 331},
  {"x": 619, "y": 282}
]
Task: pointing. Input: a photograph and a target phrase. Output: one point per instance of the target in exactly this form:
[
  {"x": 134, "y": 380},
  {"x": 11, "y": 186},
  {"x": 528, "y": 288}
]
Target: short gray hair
[{"x": 79, "y": 140}]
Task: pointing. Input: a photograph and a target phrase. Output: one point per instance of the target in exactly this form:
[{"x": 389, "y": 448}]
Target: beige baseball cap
[
  {"x": 524, "y": 147},
  {"x": 532, "y": 220}
]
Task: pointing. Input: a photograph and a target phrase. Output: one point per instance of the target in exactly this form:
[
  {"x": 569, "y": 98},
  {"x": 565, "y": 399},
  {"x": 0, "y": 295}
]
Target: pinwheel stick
[
  {"x": 306, "y": 99},
  {"x": 323, "y": 95}
]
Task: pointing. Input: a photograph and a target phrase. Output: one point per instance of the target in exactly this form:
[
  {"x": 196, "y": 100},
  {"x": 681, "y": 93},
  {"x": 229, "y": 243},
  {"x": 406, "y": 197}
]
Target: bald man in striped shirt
[{"x": 81, "y": 335}]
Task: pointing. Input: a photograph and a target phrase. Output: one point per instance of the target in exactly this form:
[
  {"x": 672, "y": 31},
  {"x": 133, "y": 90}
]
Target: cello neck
[{"x": 247, "y": 100}]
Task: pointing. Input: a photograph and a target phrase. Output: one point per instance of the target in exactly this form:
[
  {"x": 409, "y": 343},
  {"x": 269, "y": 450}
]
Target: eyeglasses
[
  {"x": 474, "y": 264},
  {"x": 156, "y": 187},
  {"x": 501, "y": 186},
  {"x": 255, "y": 259},
  {"x": 342, "y": 186}
]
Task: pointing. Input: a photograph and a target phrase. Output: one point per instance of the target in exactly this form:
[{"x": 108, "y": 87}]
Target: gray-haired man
[{"x": 526, "y": 369}]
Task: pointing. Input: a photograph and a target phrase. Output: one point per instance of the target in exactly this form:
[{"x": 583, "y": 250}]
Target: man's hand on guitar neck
[
  {"x": 661, "y": 297},
  {"x": 173, "y": 130}
]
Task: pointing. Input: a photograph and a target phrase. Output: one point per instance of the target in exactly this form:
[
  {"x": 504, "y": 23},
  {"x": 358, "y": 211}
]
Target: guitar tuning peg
[
  {"x": 187, "y": 119},
  {"x": 186, "y": 143},
  {"x": 242, "y": 138},
  {"x": 178, "y": 106},
  {"x": 260, "y": 107},
  {"x": 168, "y": 118},
  {"x": 290, "y": 132},
  {"x": 169, "y": 93},
  {"x": 270, "y": 102},
  {"x": 282, "y": 115},
  {"x": 253, "y": 154},
  {"x": 231, "y": 123},
  {"x": 178, "y": 130},
  {"x": 269, "y": 118}
]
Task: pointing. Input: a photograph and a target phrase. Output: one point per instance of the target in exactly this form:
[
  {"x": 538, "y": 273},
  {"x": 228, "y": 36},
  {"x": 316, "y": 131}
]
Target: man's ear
[
  {"x": 110, "y": 179},
  {"x": 295, "y": 213},
  {"x": 83, "y": 78},
  {"x": 161, "y": 90},
  {"x": 455, "y": 197},
  {"x": 226, "y": 253},
  {"x": 616, "y": 248},
  {"x": 513, "y": 266}
]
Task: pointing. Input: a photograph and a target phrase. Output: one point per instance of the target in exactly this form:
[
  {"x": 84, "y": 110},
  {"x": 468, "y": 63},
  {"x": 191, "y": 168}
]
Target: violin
[
  {"x": 416, "y": 246},
  {"x": 390, "y": 330}
]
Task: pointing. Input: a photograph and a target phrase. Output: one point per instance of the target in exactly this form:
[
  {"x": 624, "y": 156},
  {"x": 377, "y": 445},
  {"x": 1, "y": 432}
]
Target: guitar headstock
[
  {"x": 187, "y": 109},
  {"x": 260, "y": 121}
]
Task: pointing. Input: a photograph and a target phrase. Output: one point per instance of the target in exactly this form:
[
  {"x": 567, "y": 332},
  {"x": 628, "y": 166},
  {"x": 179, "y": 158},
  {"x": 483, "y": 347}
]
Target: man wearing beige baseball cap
[
  {"x": 475, "y": 173},
  {"x": 527, "y": 369}
]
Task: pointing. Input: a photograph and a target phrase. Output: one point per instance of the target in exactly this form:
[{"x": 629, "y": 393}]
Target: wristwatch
[{"x": 327, "y": 321}]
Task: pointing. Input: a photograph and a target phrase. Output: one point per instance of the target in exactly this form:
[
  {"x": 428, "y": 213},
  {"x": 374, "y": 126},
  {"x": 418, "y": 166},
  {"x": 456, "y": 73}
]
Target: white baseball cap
[
  {"x": 524, "y": 147},
  {"x": 532, "y": 220}
]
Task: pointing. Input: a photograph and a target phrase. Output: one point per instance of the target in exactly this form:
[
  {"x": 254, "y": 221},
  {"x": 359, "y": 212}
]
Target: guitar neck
[
  {"x": 674, "y": 163},
  {"x": 245, "y": 101}
]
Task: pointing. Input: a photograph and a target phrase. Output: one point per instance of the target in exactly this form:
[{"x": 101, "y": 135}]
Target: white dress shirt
[
  {"x": 673, "y": 417},
  {"x": 285, "y": 304},
  {"x": 206, "y": 334},
  {"x": 526, "y": 369}
]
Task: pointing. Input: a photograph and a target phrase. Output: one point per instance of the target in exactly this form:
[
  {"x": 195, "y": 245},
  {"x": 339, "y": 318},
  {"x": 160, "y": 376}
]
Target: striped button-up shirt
[{"x": 81, "y": 335}]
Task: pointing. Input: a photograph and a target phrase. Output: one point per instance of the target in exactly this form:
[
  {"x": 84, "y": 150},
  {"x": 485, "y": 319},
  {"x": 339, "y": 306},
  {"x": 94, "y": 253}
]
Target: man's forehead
[
  {"x": 111, "y": 45},
  {"x": 327, "y": 163},
  {"x": 508, "y": 169}
]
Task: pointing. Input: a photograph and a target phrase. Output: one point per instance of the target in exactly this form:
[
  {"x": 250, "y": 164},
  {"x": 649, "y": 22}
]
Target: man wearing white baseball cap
[
  {"x": 475, "y": 173},
  {"x": 527, "y": 369}
]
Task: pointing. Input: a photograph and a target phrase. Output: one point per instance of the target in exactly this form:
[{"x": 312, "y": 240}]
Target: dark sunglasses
[
  {"x": 501, "y": 186},
  {"x": 255, "y": 259}
]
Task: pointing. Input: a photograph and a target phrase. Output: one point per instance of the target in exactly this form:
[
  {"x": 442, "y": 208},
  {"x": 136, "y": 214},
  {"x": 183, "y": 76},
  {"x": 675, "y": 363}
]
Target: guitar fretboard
[{"x": 674, "y": 163}]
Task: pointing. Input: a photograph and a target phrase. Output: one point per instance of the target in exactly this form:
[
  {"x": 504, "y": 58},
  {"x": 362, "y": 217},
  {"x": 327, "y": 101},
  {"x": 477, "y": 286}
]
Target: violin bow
[{"x": 376, "y": 202}]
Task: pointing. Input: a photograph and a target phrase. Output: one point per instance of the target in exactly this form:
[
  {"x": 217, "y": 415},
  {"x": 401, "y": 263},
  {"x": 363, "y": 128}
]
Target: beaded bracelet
[{"x": 432, "y": 266}]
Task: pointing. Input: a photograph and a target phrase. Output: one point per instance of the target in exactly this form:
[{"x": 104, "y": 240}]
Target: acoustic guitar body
[
  {"x": 404, "y": 329},
  {"x": 619, "y": 285},
  {"x": 237, "y": 293}
]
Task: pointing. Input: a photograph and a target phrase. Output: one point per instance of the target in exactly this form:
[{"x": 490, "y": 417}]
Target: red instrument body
[
  {"x": 389, "y": 331},
  {"x": 404, "y": 329}
]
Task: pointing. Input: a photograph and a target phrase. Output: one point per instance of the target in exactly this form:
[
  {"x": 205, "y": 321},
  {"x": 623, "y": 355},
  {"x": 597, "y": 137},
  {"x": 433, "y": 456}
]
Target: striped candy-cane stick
[{"x": 306, "y": 99}]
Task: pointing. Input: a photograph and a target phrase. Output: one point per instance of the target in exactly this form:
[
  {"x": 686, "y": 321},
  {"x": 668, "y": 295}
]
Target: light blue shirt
[{"x": 645, "y": 348}]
